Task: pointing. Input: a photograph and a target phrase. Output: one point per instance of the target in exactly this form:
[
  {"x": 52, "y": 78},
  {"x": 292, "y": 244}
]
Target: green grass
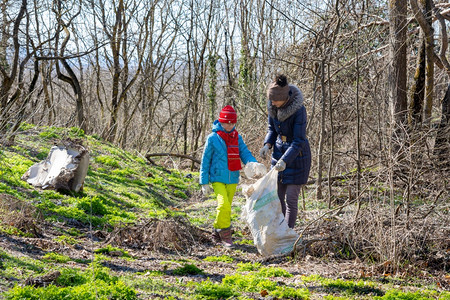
[
  {"x": 94, "y": 283},
  {"x": 350, "y": 288},
  {"x": 107, "y": 160},
  {"x": 11, "y": 230},
  {"x": 273, "y": 272},
  {"x": 188, "y": 269},
  {"x": 394, "y": 294},
  {"x": 244, "y": 242},
  {"x": 209, "y": 290},
  {"x": 66, "y": 240},
  {"x": 222, "y": 258},
  {"x": 108, "y": 249},
  {"x": 246, "y": 267},
  {"x": 55, "y": 257},
  {"x": 19, "y": 267}
]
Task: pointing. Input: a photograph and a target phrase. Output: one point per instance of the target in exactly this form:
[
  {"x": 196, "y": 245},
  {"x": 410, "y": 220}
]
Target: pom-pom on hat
[
  {"x": 278, "y": 90},
  {"x": 228, "y": 115}
]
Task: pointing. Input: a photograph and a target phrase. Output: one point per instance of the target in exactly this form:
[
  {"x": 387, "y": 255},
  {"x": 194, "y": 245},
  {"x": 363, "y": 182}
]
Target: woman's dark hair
[{"x": 281, "y": 80}]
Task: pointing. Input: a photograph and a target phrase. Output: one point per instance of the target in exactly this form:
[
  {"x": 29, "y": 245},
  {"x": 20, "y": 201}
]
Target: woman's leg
[
  {"x": 282, "y": 195},
  {"x": 224, "y": 195},
  {"x": 292, "y": 192}
]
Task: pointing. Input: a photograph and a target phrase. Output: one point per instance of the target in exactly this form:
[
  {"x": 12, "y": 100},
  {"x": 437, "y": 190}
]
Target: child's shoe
[
  {"x": 225, "y": 237},
  {"x": 215, "y": 236}
]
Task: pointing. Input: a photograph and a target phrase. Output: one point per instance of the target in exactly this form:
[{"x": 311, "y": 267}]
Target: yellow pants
[{"x": 224, "y": 195}]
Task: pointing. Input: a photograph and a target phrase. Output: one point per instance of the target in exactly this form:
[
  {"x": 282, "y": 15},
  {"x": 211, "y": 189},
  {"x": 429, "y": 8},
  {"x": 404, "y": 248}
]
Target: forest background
[{"x": 152, "y": 75}]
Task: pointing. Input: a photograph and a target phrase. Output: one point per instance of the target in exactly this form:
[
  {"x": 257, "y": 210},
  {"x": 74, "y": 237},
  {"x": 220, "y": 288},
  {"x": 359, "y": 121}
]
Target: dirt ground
[{"x": 152, "y": 243}]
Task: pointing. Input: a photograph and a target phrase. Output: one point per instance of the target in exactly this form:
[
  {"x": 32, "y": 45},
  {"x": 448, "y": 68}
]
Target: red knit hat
[{"x": 228, "y": 115}]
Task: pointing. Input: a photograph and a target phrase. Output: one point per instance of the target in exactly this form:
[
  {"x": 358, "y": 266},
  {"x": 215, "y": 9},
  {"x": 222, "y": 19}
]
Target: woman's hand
[
  {"x": 280, "y": 166},
  {"x": 264, "y": 151}
]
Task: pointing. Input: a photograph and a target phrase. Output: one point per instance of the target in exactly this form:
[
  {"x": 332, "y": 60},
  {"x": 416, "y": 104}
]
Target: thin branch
[{"x": 147, "y": 156}]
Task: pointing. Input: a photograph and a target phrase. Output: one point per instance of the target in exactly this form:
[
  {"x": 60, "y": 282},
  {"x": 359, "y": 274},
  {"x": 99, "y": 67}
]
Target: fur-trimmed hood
[{"x": 294, "y": 104}]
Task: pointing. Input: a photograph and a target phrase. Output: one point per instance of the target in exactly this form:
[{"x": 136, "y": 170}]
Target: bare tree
[
  {"x": 9, "y": 69},
  {"x": 72, "y": 79}
]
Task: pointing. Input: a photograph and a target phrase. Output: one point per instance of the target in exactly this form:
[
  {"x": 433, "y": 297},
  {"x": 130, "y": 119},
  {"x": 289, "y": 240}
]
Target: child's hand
[
  {"x": 206, "y": 189},
  {"x": 260, "y": 170},
  {"x": 254, "y": 170}
]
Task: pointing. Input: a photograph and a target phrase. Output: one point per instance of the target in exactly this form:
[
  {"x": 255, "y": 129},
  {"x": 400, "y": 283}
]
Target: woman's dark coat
[{"x": 287, "y": 134}]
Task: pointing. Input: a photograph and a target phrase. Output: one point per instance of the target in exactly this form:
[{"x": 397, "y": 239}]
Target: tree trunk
[
  {"x": 322, "y": 132},
  {"x": 72, "y": 78},
  {"x": 332, "y": 150},
  {"x": 397, "y": 100},
  {"x": 115, "y": 42},
  {"x": 358, "y": 132},
  {"x": 442, "y": 143},
  {"x": 73, "y": 81},
  {"x": 398, "y": 70},
  {"x": 417, "y": 90},
  {"x": 429, "y": 49}
]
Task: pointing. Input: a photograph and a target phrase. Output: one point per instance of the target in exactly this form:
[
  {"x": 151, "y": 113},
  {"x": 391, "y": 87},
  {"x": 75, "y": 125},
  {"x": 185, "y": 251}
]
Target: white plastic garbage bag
[
  {"x": 64, "y": 169},
  {"x": 262, "y": 212},
  {"x": 255, "y": 170}
]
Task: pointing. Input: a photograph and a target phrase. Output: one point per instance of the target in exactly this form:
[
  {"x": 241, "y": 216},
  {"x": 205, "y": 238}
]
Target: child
[{"x": 221, "y": 162}]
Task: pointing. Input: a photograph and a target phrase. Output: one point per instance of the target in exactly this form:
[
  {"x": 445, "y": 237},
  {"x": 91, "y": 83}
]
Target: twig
[
  {"x": 147, "y": 156},
  {"x": 434, "y": 204},
  {"x": 304, "y": 246},
  {"x": 317, "y": 219}
]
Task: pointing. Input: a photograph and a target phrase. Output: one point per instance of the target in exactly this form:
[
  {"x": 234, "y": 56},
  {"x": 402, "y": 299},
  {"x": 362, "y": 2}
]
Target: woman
[{"x": 291, "y": 155}]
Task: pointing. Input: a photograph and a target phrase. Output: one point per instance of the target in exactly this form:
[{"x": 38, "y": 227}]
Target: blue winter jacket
[
  {"x": 214, "y": 167},
  {"x": 287, "y": 135}
]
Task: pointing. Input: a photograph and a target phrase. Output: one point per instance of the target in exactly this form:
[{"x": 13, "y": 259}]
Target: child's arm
[
  {"x": 245, "y": 154},
  {"x": 206, "y": 162}
]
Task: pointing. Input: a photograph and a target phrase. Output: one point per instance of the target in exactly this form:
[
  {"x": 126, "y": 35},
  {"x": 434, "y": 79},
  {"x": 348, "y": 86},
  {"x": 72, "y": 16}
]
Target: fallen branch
[
  {"x": 304, "y": 245},
  {"x": 148, "y": 156},
  {"x": 325, "y": 179}
]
